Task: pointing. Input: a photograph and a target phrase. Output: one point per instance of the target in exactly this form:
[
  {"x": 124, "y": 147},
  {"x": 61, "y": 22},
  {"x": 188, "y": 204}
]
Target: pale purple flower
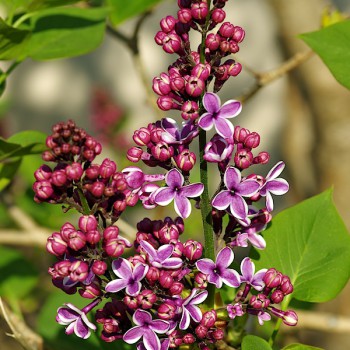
[
  {"x": 129, "y": 278},
  {"x": 135, "y": 177},
  {"x": 263, "y": 317},
  {"x": 146, "y": 328},
  {"x": 274, "y": 185},
  {"x": 217, "y": 116},
  {"x": 250, "y": 277},
  {"x": 189, "y": 308},
  {"x": 146, "y": 195},
  {"x": 219, "y": 272},
  {"x": 234, "y": 310},
  {"x": 174, "y": 135},
  {"x": 76, "y": 319},
  {"x": 177, "y": 192},
  {"x": 164, "y": 345},
  {"x": 236, "y": 189},
  {"x": 218, "y": 149},
  {"x": 256, "y": 240},
  {"x": 161, "y": 258}
]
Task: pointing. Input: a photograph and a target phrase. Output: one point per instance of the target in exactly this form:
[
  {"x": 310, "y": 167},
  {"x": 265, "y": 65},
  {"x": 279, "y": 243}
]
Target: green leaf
[
  {"x": 41, "y": 4},
  {"x": 13, "y": 42},
  {"x": 136, "y": 7},
  {"x": 332, "y": 44},
  {"x": 300, "y": 347},
  {"x": 66, "y": 32},
  {"x": 252, "y": 342},
  {"x": 309, "y": 243},
  {"x": 18, "y": 275},
  {"x": 7, "y": 172}
]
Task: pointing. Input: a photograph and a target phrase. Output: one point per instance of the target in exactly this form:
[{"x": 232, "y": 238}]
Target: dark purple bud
[
  {"x": 107, "y": 168},
  {"x": 286, "y": 285},
  {"x": 179, "y": 222},
  {"x": 272, "y": 278},
  {"x": 194, "y": 86},
  {"x": 56, "y": 245},
  {"x": 199, "y": 10},
  {"x": 161, "y": 85},
  {"x": 209, "y": 318},
  {"x": 134, "y": 154},
  {"x": 192, "y": 250},
  {"x": 87, "y": 223},
  {"x": 43, "y": 173},
  {"x": 218, "y": 15},
  {"x": 277, "y": 296},
  {"x": 167, "y": 24},
  {"x": 212, "y": 41},
  {"x": 79, "y": 270},
  {"x": 184, "y": 3},
  {"x": 142, "y": 137},
  {"x": 227, "y": 29},
  {"x": 261, "y": 158},
  {"x": 176, "y": 288},
  {"x": 76, "y": 240},
  {"x": 243, "y": 158},
  {"x": 189, "y": 338},
  {"x": 165, "y": 279},
  {"x": 43, "y": 189},
  {"x": 201, "y": 71},
  {"x": 74, "y": 171},
  {"x": 184, "y": 15},
  {"x": 146, "y": 299},
  {"x": 131, "y": 302},
  {"x": 97, "y": 189},
  {"x": 238, "y": 34},
  {"x": 99, "y": 267},
  {"x": 166, "y": 310},
  {"x": 201, "y": 331}
]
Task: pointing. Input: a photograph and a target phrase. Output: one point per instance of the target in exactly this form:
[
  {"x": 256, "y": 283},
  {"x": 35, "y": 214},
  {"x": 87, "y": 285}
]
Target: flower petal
[
  {"x": 142, "y": 317},
  {"x": 232, "y": 178},
  {"x": 238, "y": 207},
  {"x": 214, "y": 278},
  {"x": 164, "y": 252},
  {"x": 133, "y": 335},
  {"x": 211, "y": 102},
  {"x": 164, "y": 195},
  {"x": 269, "y": 202},
  {"x": 275, "y": 171},
  {"x": 206, "y": 121},
  {"x": 182, "y": 206},
  {"x": 230, "y": 109},
  {"x": 257, "y": 280},
  {"x": 195, "y": 312},
  {"x": 224, "y": 258},
  {"x": 133, "y": 288},
  {"x": 172, "y": 263},
  {"x": 222, "y": 200},
  {"x": 81, "y": 329},
  {"x": 231, "y": 278},
  {"x": 116, "y": 285},
  {"x": 192, "y": 190},
  {"x": 277, "y": 187},
  {"x": 247, "y": 188},
  {"x": 66, "y": 316},
  {"x": 122, "y": 268},
  {"x": 185, "y": 319},
  {"x": 224, "y": 127},
  {"x": 205, "y": 265},
  {"x": 247, "y": 269},
  {"x": 257, "y": 241},
  {"x": 199, "y": 298},
  {"x": 159, "y": 326},
  {"x": 148, "y": 248},
  {"x": 174, "y": 179}
]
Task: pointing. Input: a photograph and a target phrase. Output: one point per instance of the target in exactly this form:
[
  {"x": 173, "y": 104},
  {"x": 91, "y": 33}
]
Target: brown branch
[
  {"x": 263, "y": 79},
  {"x": 20, "y": 331}
]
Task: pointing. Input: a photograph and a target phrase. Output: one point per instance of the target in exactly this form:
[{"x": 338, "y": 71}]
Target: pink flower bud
[
  {"x": 189, "y": 338},
  {"x": 136, "y": 259},
  {"x": 76, "y": 240},
  {"x": 277, "y": 296},
  {"x": 226, "y": 30},
  {"x": 212, "y": 41},
  {"x": 199, "y": 10},
  {"x": 217, "y": 334},
  {"x": 290, "y": 318},
  {"x": 240, "y": 134},
  {"x": 79, "y": 270},
  {"x": 201, "y": 331},
  {"x": 92, "y": 290},
  {"x": 131, "y": 198},
  {"x": 262, "y": 158},
  {"x": 59, "y": 178},
  {"x": 93, "y": 237},
  {"x": 194, "y": 86},
  {"x": 142, "y": 137},
  {"x": 56, "y": 245},
  {"x": 189, "y": 110},
  {"x": 119, "y": 206},
  {"x": 167, "y": 24},
  {"x": 166, "y": 310},
  {"x": 259, "y": 301},
  {"x": 176, "y": 288},
  {"x": 48, "y": 156},
  {"x": 178, "y": 250},
  {"x": 286, "y": 285},
  {"x": 234, "y": 69},
  {"x": 146, "y": 299},
  {"x": 162, "y": 151},
  {"x": 134, "y": 154},
  {"x": 243, "y": 159},
  {"x": 161, "y": 85},
  {"x": 201, "y": 71},
  {"x": 114, "y": 247},
  {"x": 168, "y": 234},
  {"x": 97, "y": 189},
  {"x": 184, "y": 15},
  {"x": 107, "y": 168},
  {"x": 177, "y": 83},
  {"x": 43, "y": 189},
  {"x": 238, "y": 34},
  {"x": 92, "y": 172},
  {"x": 218, "y": 15},
  {"x": 209, "y": 318},
  {"x": 74, "y": 171},
  {"x": 50, "y": 142},
  {"x": 172, "y": 43},
  {"x": 166, "y": 103},
  {"x": 159, "y": 37},
  {"x": 272, "y": 278},
  {"x": 233, "y": 47},
  {"x": 192, "y": 250},
  {"x": 110, "y": 232},
  {"x": 99, "y": 267},
  {"x": 87, "y": 223},
  {"x": 201, "y": 280},
  {"x": 61, "y": 268},
  {"x": 165, "y": 279},
  {"x": 152, "y": 275},
  {"x": 131, "y": 302},
  {"x": 43, "y": 173}
]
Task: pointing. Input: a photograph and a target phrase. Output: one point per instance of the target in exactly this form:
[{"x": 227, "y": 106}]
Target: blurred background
[{"x": 303, "y": 118}]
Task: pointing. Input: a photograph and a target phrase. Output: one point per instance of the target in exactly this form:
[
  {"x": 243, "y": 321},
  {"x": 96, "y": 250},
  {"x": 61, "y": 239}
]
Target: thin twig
[
  {"x": 20, "y": 331},
  {"x": 263, "y": 79}
]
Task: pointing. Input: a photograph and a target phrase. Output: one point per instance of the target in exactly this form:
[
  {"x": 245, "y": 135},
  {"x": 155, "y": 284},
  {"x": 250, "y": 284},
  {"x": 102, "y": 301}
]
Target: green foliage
[
  {"x": 8, "y": 171},
  {"x": 310, "y": 244},
  {"x": 252, "y": 342},
  {"x": 41, "y": 4},
  {"x": 18, "y": 275},
  {"x": 300, "y": 347},
  {"x": 121, "y": 12},
  {"x": 332, "y": 44}
]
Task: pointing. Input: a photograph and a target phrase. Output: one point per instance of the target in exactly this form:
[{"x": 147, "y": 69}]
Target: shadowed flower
[
  {"x": 217, "y": 116},
  {"x": 189, "y": 308},
  {"x": 248, "y": 276},
  {"x": 129, "y": 278},
  {"x": 236, "y": 189},
  {"x": 177, "y": 192},
  {"x": 274, "y": 185},
  {"x": 219, "y": 272},
  {"x": 147, "y": 329},
  {"x": 76, "y": 319},
  {"x": 161, "y": 258}
]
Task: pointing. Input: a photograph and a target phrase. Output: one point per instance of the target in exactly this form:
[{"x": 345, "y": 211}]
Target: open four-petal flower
[
  {"x": 129, "y": 278},
  {"x": 147, "y": 329},
  {"x": 274, "y": 185},
  {"x": 236, "y": 189},
  {"x": 250, "y": 277},
  {"x": 217, "y": 115},
  {"x": 177, "y": 192},
  {"x": 219, "y": 272},
  {"x": 161, "y": 258}
]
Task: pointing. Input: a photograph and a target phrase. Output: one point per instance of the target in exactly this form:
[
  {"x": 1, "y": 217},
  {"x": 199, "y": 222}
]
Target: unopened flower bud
[
  {"x": 167, "y": 24},
  {"x": 176, "y": 288},
  {"x": 107, "y": 168},
  {"x": 134, "y": 154},
  {"x": 131, "y": 302},
  {"x": 87, "y": 223},
  {"x": 252, "y": 140},
  {"x": 189, "y": 338},
  {"x": 201, "y": 71},
  {"x": 56, "y": 245},
  {"x": 272, "y": 278},
  {"x": 165, "y": 279},
  {"x": 79, "y": 270},
  {"x": 43, "y": 189},
  {"x": 99, "y": 267},
  {"x": 286, "y": 285},
  {"x": 277, "y": 296},
  {"x": 227, "y": 29},
  {"x": 93, "y": 237},
  {"x": 74, "y": 171},
  {"x": 146, "y": 299},
  {"x": 162, "y": 151},
  {"x": 199, "y": 10},
  {"x": 201, "y": 331},
  {"x": 142, "y": 137},
  {"x": 212, "y": 41},
  {"x": 194, "y": 86},
  {"x": 76, "y": 240},
  {"x": 166, "y": 310},
  {"x": 209, "y": 318},
  {"x": 59, "y": 178},
  {"x": 184, "y": 15},
  {"x": 201, "y": 280},
  {"x": 43, "y": 173},
  {"x": 243, "y": 158},
  {"x": 218, "y": 15},
  {"x": 290, "y": 318},
  {"x": 189, "y": 110},
  {"x": 92, "y": 290},
  {"x": 192, "y": 250},
  {"x": 238, "y": 34},
  {"x": 261, "y": 158},
  {"x": 97, "y": 189}
]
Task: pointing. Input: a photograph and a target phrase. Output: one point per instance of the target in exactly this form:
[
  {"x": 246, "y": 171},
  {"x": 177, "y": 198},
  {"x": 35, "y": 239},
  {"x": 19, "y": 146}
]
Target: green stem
[{"x": 84, "y": 203}]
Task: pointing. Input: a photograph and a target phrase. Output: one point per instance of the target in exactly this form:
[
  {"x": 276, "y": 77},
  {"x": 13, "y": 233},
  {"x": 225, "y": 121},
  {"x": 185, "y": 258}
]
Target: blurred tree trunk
[{"x": 317, "y": 137}]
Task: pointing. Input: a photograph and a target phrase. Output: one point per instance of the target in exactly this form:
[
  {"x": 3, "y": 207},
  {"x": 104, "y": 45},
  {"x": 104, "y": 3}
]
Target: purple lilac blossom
[
  {"x": 75, "y": 320},
  {"x": 236, "y": 189},
  {"x": 217, "y": 116},
  {"x": 161, "y": 258},
  {"x": 218, "y": 149},
  {"x": 129, "y": 278},
  {"x": 250, "y": 277},
  {"x": 234, "y": 310},
  {"x": 147, "y": 329},
  {"x": 174, "y": 135},
  {"x": 177, "y": 192},
  {"x": 219, "y": 272},
  {"x": 274, "y": 185}
]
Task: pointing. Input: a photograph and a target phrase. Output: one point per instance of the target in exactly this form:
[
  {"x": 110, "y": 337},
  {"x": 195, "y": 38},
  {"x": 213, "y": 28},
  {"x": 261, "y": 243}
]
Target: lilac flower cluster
[{"x": 159, "y": 289}]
